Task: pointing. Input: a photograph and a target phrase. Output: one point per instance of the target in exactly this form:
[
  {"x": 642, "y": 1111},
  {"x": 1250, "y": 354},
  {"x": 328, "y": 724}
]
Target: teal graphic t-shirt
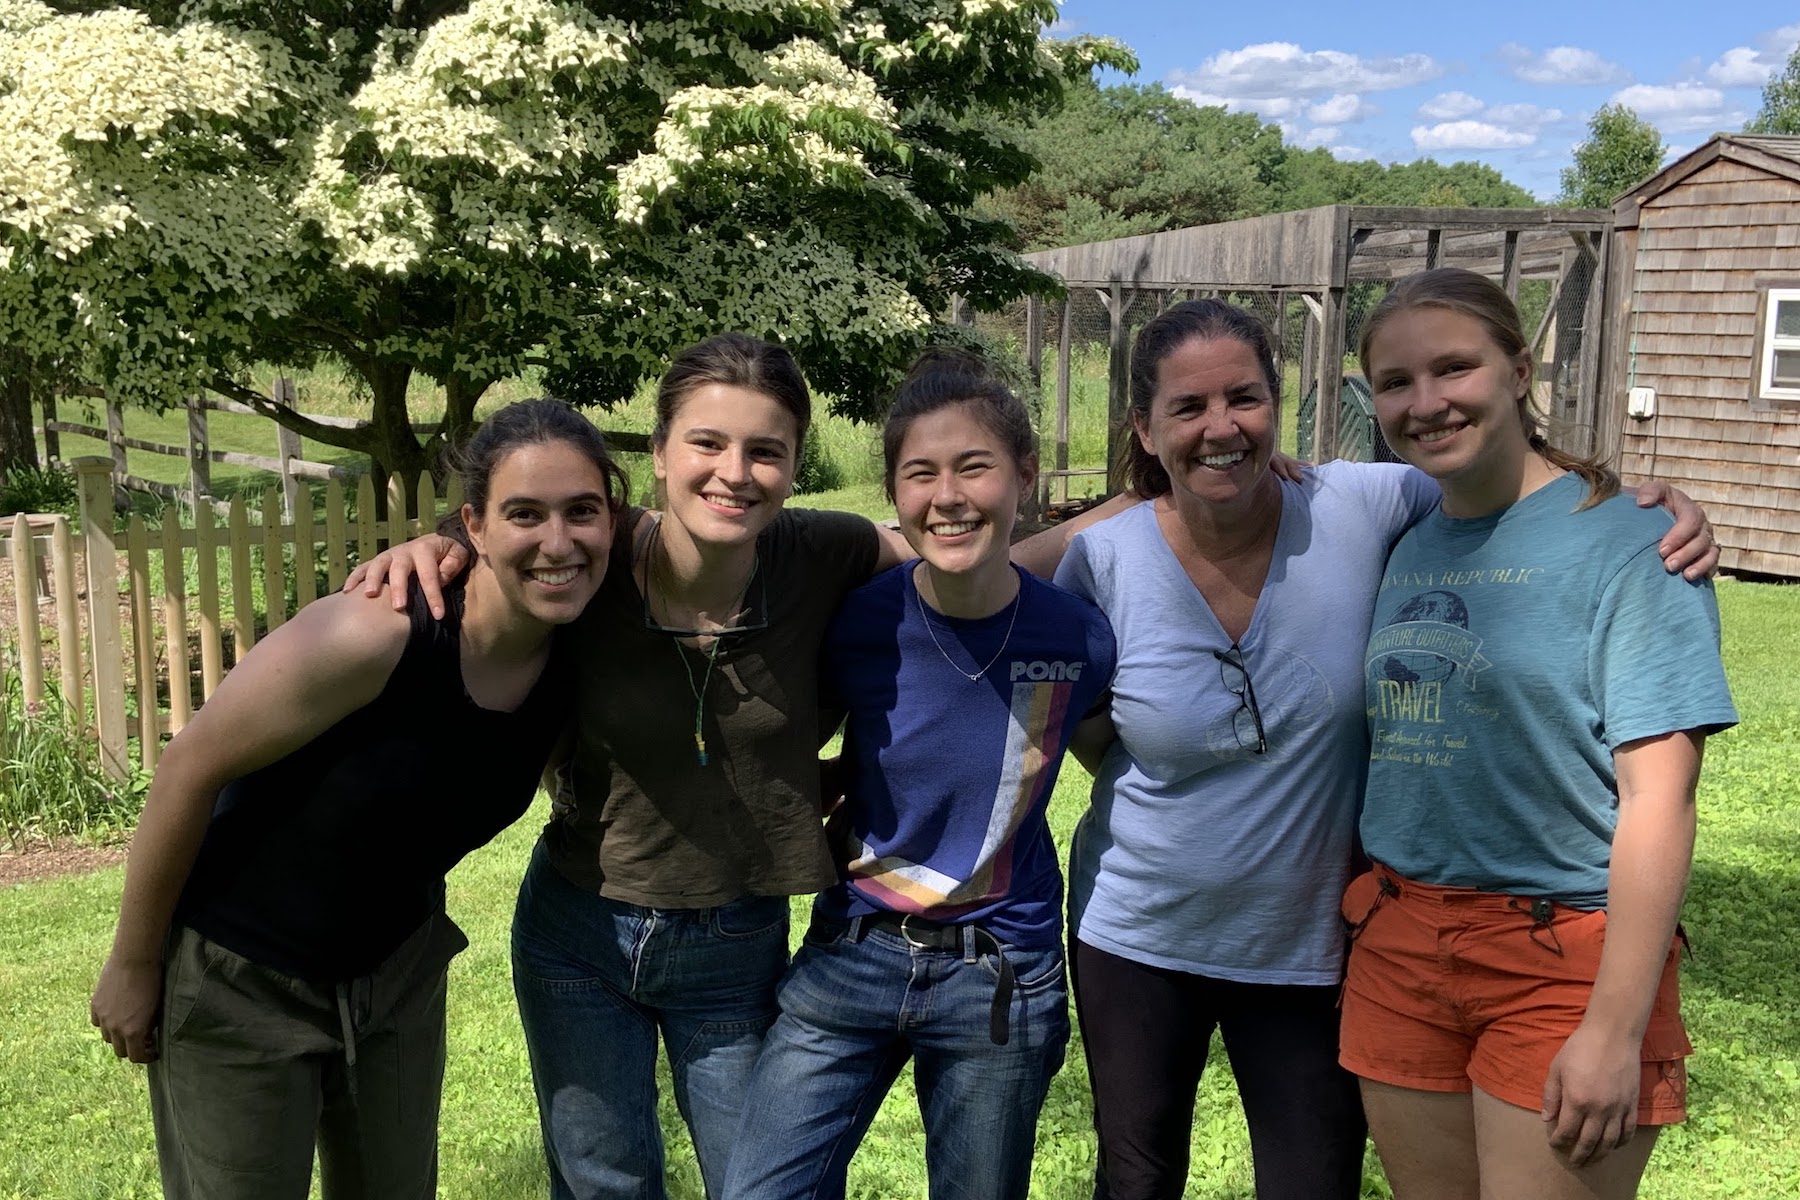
[{"x": 1508, "y": 657}]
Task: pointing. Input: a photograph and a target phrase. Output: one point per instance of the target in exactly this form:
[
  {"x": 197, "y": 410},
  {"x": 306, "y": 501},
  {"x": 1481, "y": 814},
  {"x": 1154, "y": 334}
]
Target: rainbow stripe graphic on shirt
[{"x": 1039, "y": 714}]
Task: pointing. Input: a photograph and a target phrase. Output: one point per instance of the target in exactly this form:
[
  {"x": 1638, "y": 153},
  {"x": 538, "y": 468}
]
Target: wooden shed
[{"x": 1702, "y": 341}]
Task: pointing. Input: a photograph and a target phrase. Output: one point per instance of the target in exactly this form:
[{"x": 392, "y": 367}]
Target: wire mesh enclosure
[{"x": 1312, "y": 277}]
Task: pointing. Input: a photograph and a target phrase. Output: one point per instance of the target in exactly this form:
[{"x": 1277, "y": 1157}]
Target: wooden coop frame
[{"x": 1317, "y": 255}]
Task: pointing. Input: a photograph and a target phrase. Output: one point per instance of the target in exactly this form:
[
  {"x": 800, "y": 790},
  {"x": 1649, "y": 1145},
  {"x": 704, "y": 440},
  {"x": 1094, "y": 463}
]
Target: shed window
[{"x": 1781, "y": 346}]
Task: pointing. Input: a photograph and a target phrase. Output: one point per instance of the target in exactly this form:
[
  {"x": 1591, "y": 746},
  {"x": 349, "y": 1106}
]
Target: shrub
[
  {"x": 28, "y": 489},
  {"x": 51, "y": 781},
  {"x": 818, "y": 471}
]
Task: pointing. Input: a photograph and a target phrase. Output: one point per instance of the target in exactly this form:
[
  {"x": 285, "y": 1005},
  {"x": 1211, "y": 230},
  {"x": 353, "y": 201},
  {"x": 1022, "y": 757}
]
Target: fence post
[
  {"x": 52, "y": 435},
  {"x": 31, "y": 645},
  {"x": 115, "y": 441},
  {"x": 174, "y": 561},
  {"x": 206, "y": 545},
  {"x": 287, "y": 448},
  {"x": 68, "y": 625},
  {"x": 1118, "y": 383},
  {"x": 101, "y": 550},
  {"x": 274, "y": 567},
  {"x": 143, "y": 641},
  {"x": 199, "y": 453}
]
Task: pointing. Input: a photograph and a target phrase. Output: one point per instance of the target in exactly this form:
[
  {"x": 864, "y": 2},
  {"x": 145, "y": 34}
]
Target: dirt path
[{"x": 55, "y": 861}]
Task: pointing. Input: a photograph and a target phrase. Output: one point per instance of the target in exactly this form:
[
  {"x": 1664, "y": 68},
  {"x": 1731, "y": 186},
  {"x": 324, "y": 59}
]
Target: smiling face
[
  {"x": 1447, "y": 397},
  {"x": 1212, "y": 420},
  {"x": 957, "y": 488},
  {"x": 727, "y": 463},
  {"x": 545, "y": 530}
]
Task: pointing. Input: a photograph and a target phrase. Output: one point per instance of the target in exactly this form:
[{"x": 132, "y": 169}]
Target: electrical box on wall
[{"x": 1640, "y": 402}]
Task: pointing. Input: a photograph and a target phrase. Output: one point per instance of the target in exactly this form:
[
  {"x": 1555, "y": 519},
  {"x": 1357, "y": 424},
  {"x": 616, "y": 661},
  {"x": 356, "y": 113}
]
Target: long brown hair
[{"x": 1482, "y": 299}]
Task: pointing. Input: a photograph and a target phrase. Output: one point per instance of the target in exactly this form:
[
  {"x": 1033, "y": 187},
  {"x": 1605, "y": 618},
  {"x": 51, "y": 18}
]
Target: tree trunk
[
  {"x": 18, "y": 446},
  {"x": 461, "y": 395},
  {"x": 396, "y": 450}
]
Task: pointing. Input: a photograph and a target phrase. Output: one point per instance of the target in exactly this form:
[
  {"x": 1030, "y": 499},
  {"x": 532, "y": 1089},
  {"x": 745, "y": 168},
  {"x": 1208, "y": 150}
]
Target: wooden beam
[
  {"x": 1331, "y": 377},
  {"x": 1062, "y": 387},
  {"x": 1034, "y": 341},
  {"x": 52, "y": 442},
  {"x": 1118, "y": 386},
  {"x": 1434, "y": 248},
  {"x": 115, "y": 441},
  {"x": 1589, "y": 401},
  {"x": 287, "y": 446},
  {"x": 1615, "y": 345},
  {"x": 1376, "y": 216},
  {"x": 199, "y": 462},
  {"x": 1509, "y": 264}
]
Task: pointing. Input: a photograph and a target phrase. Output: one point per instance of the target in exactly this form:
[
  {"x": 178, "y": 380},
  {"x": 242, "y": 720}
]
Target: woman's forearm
[
  {"x": 1652, "y": 852},
  {"x": 163, "y": 850}
]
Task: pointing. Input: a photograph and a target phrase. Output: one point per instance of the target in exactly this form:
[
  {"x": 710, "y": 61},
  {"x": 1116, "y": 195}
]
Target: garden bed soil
[{"x": 55, "y": 861}]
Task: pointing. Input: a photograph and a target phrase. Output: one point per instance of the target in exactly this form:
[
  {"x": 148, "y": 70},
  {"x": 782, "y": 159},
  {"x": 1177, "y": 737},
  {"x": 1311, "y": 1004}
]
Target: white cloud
[
  {"x": 1351, "y": 153},
  {"x": 1521, "y": 116},
  {"x": 1739, "y": 67},
  {"x": 1321, "y": 135},
  {"x": 1680, "y": 107},
  {"x": 1744, "y": 67},
  {"x": 1277, "y": 69},
  {"x": 1561, "y": 65},
  {"x": 1499, "y": 127},
  {"x": 1450, "y": 106},
  {"x": 1469, "y": 135},
  {"x": 1341, "y": 109},
  {"x": 1062, "y": 26},
  {"x": 1271, "y": 108}
]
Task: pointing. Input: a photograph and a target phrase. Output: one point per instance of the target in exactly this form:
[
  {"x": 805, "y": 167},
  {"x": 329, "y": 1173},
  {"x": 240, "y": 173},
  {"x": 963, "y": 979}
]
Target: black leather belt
[{"x": 924, "y": 934}]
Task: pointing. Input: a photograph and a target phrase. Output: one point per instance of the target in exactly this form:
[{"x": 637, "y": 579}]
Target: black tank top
[{"x": 320, "y": 865}]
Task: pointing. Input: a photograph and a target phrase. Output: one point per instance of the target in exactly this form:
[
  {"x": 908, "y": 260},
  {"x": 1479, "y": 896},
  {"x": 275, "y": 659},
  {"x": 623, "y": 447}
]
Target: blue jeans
[
  {"x": 596, "y": 981},
  {"x": 856, "y": 1004}
]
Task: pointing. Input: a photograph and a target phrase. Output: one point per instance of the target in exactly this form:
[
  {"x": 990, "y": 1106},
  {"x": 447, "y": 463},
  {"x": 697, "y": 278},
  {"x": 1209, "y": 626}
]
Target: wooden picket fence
[{"x": 166, "y": 646}]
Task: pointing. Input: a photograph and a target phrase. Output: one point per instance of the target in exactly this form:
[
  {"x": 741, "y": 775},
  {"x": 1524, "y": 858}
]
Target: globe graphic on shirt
[{"x": 1424, "y": 666}]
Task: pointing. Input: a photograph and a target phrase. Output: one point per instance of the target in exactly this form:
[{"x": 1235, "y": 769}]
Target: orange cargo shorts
[{"x": 1449, "y": 988}]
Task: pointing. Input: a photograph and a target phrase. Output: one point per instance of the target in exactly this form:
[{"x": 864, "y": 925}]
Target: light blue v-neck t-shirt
[{"x": 1199, "y": 854}]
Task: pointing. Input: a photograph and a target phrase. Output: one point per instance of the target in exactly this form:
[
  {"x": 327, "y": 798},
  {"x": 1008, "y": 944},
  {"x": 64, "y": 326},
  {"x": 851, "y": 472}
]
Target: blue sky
[{"x": 1511, "y": 85}]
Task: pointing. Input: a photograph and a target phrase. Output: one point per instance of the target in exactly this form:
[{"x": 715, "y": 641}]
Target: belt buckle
[{"x": 906, "y": 933}]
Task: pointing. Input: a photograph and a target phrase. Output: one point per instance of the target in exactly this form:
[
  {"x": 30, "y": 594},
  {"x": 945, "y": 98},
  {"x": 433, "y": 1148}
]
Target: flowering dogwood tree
[{"x": 466, "y": 190}]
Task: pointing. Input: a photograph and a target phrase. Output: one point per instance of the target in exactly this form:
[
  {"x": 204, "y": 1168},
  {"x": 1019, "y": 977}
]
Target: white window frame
[{"x": 1771, "y": 343}]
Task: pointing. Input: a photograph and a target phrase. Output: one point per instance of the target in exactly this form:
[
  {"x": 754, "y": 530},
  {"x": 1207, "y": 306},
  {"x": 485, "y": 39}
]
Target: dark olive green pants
[{"x": 257, "y": 1069}]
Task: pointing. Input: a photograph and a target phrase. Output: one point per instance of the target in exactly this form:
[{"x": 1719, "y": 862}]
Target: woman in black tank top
[{"x": 281, "y": 949}]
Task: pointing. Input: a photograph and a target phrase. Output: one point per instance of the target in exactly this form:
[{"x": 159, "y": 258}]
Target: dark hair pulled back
[
  {"x": 531, "y": 423},
  {"x": 943, "y": 376},
  {"x": 1168, "y": 331}
]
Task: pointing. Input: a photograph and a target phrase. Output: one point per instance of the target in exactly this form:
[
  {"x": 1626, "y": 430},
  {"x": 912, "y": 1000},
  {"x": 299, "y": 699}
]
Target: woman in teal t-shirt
[{"x": 1540, "y": 691}]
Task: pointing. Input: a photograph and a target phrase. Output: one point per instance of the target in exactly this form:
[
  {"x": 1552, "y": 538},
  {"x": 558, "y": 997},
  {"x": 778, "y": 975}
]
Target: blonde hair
[{"x": 1482, "y": 299}]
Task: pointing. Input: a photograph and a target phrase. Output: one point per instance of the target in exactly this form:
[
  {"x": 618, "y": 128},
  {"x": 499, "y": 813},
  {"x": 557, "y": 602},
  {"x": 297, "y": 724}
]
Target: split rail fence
[
  {"x": 168, "y": 608},
  {"x": 287, "y": 463}
]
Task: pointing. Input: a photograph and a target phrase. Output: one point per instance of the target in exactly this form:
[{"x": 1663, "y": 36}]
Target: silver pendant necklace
[{"x": 1018, "y": 603}]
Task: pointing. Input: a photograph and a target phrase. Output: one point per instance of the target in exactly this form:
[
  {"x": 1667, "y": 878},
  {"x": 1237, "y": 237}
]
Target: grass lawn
[{"x": 77, "y": 1122}]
